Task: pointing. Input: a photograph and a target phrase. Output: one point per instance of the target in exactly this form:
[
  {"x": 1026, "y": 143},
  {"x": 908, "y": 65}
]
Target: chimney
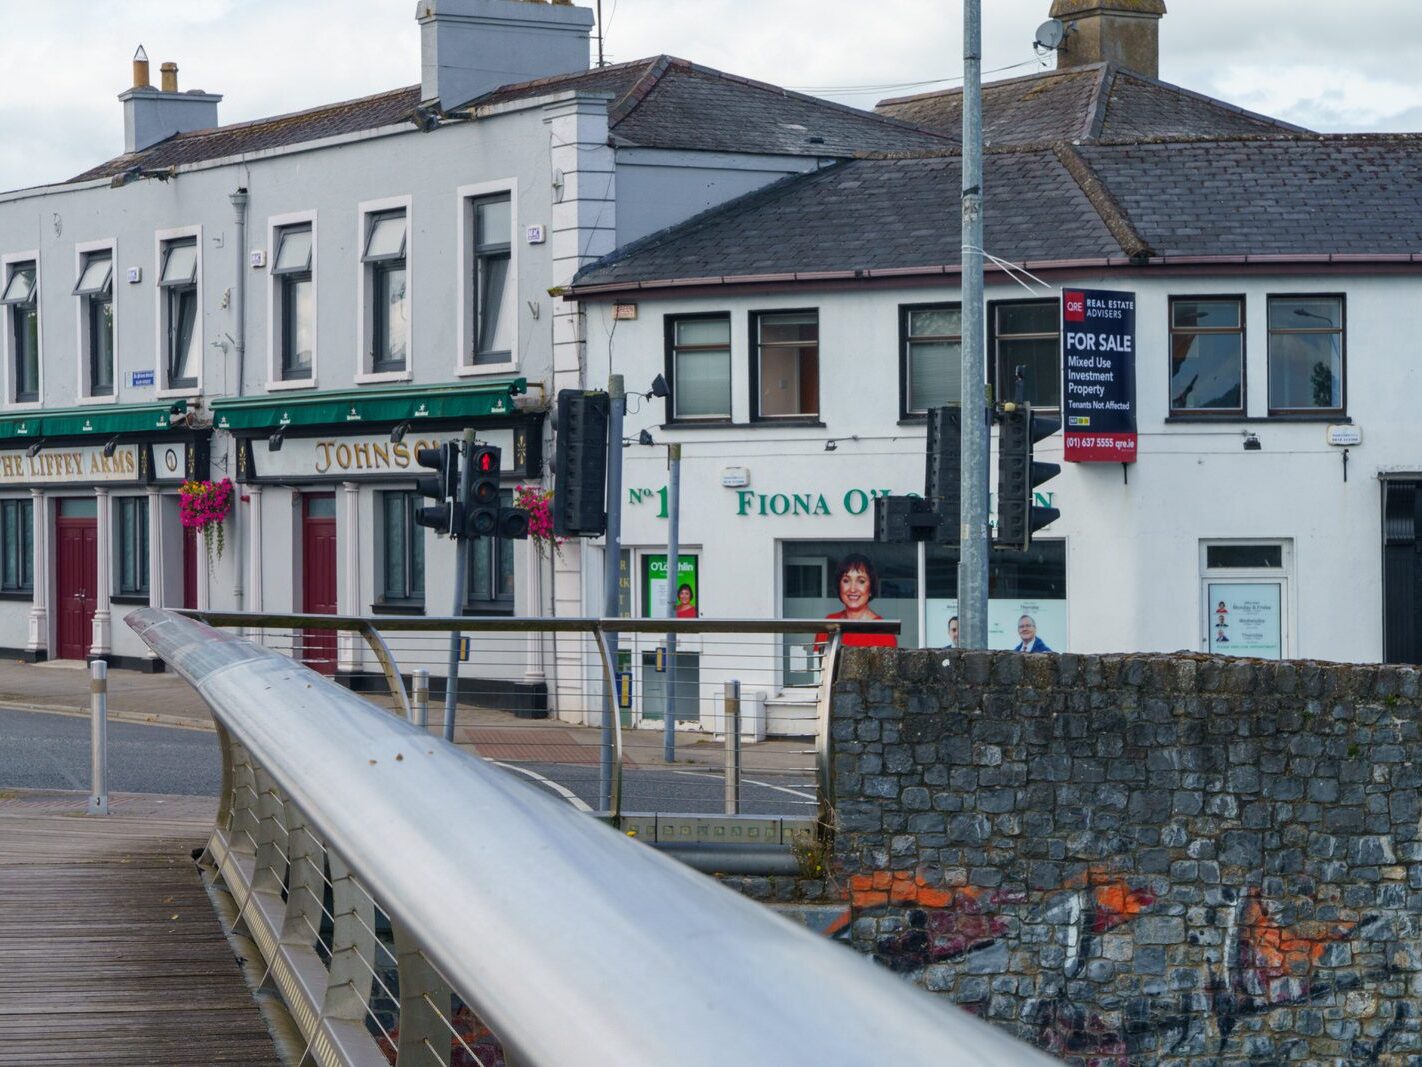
[
  {"x": 151, "y": 115},
  {"x": 469, "y": 47},
  {"x": 1124, "y": 32}
]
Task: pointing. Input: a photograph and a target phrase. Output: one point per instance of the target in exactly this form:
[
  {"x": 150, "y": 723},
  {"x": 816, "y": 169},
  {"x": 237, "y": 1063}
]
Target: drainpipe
[{"x": 239, "y": 342}]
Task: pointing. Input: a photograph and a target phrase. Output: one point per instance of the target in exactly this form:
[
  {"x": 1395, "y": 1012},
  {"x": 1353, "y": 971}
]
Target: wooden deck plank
[{"x": 110, "y": 951}]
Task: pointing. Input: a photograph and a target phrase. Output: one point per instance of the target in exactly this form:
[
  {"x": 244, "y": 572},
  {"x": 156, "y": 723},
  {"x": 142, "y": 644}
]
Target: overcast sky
[{"x": 1327, "y": 66}]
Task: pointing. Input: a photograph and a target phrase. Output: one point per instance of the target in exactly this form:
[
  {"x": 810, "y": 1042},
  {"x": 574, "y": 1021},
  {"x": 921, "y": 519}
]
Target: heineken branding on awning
[{"x": 346, "y": 407}]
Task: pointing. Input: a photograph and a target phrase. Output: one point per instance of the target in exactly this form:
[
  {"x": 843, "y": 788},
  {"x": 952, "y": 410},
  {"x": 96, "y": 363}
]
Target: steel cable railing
[{"x": 410, "y": 903}]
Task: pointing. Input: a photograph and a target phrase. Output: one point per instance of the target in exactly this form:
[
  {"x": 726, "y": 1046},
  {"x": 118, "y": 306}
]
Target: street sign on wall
[{"x": 1099, "y": 376}]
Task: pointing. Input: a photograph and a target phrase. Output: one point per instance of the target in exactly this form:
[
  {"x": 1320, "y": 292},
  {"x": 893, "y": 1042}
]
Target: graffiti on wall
[{"x": 1259, "y": 963}]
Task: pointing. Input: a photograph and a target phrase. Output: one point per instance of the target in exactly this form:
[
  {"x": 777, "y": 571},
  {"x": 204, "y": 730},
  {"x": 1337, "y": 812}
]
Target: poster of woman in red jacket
[{"x": 857, "y": 584}]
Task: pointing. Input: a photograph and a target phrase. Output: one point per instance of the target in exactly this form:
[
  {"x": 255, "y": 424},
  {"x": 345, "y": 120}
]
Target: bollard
[
  {"x": 420, "y": 706},
  {"x": 732, "y": 726},
  {"x": 99, "y": 738}
]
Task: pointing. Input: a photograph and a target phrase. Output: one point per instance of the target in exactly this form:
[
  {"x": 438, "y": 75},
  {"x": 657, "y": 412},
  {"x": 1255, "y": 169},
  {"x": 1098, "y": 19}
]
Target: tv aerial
[{"x": 1050, "y": 36}]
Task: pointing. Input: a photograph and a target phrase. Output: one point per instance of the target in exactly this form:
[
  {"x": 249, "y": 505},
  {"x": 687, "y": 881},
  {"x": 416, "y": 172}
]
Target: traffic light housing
[
  {"x": 943, "y": 482},
  {"x": 481, "y": 510},
  {"x": 1018, "y": 474},
  {"x": 903, "y": 519},
  {"x": 442, "y": 486},
  {"x": 580, "y": 464}
]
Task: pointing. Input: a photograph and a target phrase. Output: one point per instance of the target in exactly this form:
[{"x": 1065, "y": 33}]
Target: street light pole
[
  {"x": 612, "y": 566},
  {"x": 673, "y": 584},
  {"x": 973, "y": 553}
]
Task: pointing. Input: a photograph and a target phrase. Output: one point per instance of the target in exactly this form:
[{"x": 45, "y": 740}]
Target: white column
[
  {"x": 349, "y": 645},
  {"x": 533, "y": 570},
  {"x": 38, "y": 637},
  {"x": 155, "y": 552},
  {"x": 105, "y": 550},
  {"x": 254, "y": 548}
]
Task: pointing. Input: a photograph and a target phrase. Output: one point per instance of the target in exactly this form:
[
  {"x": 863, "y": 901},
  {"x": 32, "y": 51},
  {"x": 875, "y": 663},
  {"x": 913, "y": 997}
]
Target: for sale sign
[{"x": 1099, "y": 376}]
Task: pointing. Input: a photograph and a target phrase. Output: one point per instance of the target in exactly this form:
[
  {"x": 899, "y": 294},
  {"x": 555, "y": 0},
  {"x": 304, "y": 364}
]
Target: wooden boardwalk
[{"x": 110, "y": 951}]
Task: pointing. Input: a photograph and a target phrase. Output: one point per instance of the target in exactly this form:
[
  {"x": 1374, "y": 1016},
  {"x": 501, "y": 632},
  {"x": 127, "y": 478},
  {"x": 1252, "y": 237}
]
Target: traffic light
[
  {"x": 481, "y": 510},
  {"x": 580, "y": 465},
  {"x": 943, "y": 483},
  {"x": 903, "y": 519},
  {"x": 1018, "y": 475},
  {"x": 442, "y": 486}
]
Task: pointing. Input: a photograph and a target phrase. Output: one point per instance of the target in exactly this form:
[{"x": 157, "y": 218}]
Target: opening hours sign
[{"x": 1099, "y": 376}]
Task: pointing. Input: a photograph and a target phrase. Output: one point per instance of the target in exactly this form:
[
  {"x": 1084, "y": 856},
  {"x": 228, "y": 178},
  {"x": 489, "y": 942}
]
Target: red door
[
  {"x": 190, "y": 552},
  {"x": 318, "y": 577},
  {"x": 77, "y": 574}
]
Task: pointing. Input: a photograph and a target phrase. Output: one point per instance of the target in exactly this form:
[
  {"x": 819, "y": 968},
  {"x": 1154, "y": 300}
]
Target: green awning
[
  {"x": 405, "y": 404},
  {"x": 97, "y": 421}
]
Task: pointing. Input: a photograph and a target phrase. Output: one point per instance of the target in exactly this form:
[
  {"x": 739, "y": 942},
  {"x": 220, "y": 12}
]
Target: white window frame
[
  {"x": 1283, "y": 575},
  {"x": 7, "y": 343},
  {"x": 365, "y": 375},
  {"x": 275, "y": 382},
  {"x": 464, "y": 304},
  {"x": 160, "y": 372},
  {"x": 81, "y": 319}
]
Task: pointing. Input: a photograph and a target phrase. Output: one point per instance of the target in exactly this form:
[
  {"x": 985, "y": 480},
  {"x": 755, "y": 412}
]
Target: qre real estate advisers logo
[{"x": 1074, "y": 306}]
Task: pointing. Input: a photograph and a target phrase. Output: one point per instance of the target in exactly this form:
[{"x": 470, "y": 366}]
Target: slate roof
[
  {"x": 1055, "y": 205},
  {"x": 662, "y": 102},
  {"x": 1097, "y": 102}
]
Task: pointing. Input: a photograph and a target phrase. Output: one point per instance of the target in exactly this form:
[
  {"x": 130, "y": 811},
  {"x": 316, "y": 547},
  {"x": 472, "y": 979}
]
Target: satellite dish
[{"x": 1050, "y": 35}]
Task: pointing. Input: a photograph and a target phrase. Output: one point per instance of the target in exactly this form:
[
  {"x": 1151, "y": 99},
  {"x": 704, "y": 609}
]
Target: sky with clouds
[{"x": 1319, "y": 64}]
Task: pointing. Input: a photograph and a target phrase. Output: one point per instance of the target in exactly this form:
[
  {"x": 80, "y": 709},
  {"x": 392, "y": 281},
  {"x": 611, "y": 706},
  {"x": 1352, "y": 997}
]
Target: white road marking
[
  {"x": 563, "y": 791},
  {"x": 752, "y": 781}
]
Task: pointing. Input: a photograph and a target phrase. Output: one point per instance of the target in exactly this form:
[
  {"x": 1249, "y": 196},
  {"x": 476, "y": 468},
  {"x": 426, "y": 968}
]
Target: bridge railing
[
  {"x": 414, "y": 905},
  {"x": 533, "y": 696}
]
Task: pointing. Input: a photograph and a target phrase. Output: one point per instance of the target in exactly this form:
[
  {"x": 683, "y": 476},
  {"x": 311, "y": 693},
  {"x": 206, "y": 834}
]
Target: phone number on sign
[{"x": 1120, "y": 444}]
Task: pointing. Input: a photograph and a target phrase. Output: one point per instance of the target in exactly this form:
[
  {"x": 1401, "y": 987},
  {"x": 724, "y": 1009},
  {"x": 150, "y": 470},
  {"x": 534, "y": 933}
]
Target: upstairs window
[
  {"x": 1207, "y": 356},
  {"x": 786, "y": 366},
  {"x": 296, "y": 298},
  {"x": 21, "y": 300},
  {"x": 493, "y": 295},
  {"x": 387, "y": 291},
  {"x": 1306, "y": 355},
  {"x": 699, "y": 366},
  {"x": 1028, "y": 335},
  {"x": 932, "y": 369},
  {"x": 177, "y": 281},
  {"x": 95, "y": 290}
]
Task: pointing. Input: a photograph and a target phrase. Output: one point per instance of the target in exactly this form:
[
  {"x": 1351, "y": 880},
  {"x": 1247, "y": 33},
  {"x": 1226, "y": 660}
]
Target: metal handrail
[{"x": 525, "y": 908}]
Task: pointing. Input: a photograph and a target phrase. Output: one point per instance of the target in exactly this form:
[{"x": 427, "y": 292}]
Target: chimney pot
[
  {"x": 140, "y": 69},
  {"x": 1124, "y": 32},
  {"x": 169, "y": 72}
]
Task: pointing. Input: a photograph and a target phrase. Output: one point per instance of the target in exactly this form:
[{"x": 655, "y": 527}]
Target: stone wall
[{"x": 1138, "y": 859}]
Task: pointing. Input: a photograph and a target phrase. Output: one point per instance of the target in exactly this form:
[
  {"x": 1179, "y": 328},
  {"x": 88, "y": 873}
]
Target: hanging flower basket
[
  {"x": 538, "y": 503},
  {"x": 205, "y": 507}
]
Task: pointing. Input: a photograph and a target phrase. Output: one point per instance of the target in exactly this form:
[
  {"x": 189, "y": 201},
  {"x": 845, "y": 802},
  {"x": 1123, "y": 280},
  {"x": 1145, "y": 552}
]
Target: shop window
[
  {"x": 296, "y": 302},
  {"x": 403, "y": 573},
  {"x": 492, "y": 221},
  {"x": 1245, "y": 598},
  {"x": 1027, "y": 334},
  {"x": 95, "y": 291},
  {"x": 786, "y": 365},
  {"x": 1207, "y": 356},
  {"x": 387, "y": 290},
  {"x": 21, "y": 300},
  {"x": 177, "y": 281},
  {"x": 17, "y": 546},
  {"x": 132, "y": 546},
  {"x": 1030, "y": 585},
  {"x": 931, "y": 358},
  {"x": 699, "y": 366},
  {"x": 491, "y": 572},
  {"x": 1306, "y": 355}
]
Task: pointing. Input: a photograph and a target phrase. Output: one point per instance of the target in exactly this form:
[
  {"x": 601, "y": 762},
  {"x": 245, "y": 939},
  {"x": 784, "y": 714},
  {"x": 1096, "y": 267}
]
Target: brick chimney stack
[{"x": 1124, "y": 32}]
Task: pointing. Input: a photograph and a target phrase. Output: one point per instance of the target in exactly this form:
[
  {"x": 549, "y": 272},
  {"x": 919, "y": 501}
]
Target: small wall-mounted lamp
[
  {"x": 276, "y": 440},
  {"x": 644, "y": 437},
  {"x": 110, "y": 447},
  {"x": 398, "y": 434},
  {"x": 1251, "y": 443},
  {"x": 34, "y": 449},
  {"x": 833, "y": 443}
]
